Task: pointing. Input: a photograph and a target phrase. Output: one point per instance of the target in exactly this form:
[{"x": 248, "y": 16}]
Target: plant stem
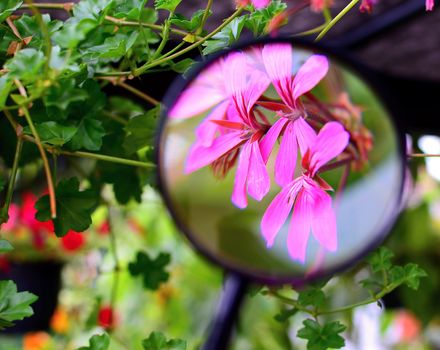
[
  {"x": 165, "y": 36},
  {"x": 149, "y": 65},
  {"x": 51, "y": 6},
  {"x": 158, "y": 27},
  {"x": 106, "y": 158},
  {"x": 116, "y": 118},
  {"x": 205, "y": 17},
  {"x": 140, "y": 94},
  {"x": 336, "y": 19},
  {"x": 13, "y": 177},
  {"x": 45, "y": 34},
  {"x": 291, "y": 302},
  {"x": 422, "y": 155},
  {"x": 117, "y": 267},
  {"x": 50, "y": 184}
]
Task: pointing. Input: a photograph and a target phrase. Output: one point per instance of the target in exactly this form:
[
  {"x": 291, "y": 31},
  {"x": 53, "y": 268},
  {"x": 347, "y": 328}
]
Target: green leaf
[
  {"x": 26, "y": 65},
  {"x": 129, "y": 9},
  {"x": 73, "y": 32},
  {"x": 88, "y": 136},
  {"x": 113, "y": 48},
  {"x": 53, "y": 133},
  {"x": 169, "y": 5},
  {"x": 7, "y": 7},
  {"x": 60, "y": 96},
  {"x": 258, "y": 20},
  {"x": 226, "y": 37},
  {"x": 74, "y": 207},
  {"x": 5, "y": 88},
  {"x": 183, "y": 65},
  {"x": 157, "y": 341},
  {"x": 5, "y": 246},
  {"x": 381, "y": 260},
  {"x": 311, "y": 296},
  {"x": 190, "y": 25},
  {"x": 98, "y": 342},
  {"x": 322, "y": 337},
  {"x": 141, "y": 131},
  {"x": 92, "y": 9},
  {"x": 14, "y": 305},
  {"x": 413, "y": 273},
  {"x": 284, "y": 315},
  {"x": 397, "y": 275},
  {"x": 152, "y": 270},
  {"x": 125, "y": 180}
]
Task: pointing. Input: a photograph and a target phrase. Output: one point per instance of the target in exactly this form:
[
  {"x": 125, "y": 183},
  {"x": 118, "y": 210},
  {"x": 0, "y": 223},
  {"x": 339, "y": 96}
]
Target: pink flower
[
  {"x": 277, "y": 60},
  {"x": 312, "y": 205},
  {"x": 240, "y": 133},
  {"x": 367, "y": 5},
  {"x": 258, "y": 4},
  {"x": 429, "y": 5}
]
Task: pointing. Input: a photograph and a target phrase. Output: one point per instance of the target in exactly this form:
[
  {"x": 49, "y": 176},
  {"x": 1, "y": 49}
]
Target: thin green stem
[
  {"x": 158, "y": 27},
  {"x": 45, "y": 34},
  {"x": 105, "y": 158},
  {"x": 165, "y": 36},
  {"x": 51, "y": 6},
  {"x": 422, "y": 155},
  {"x": 311, "y": 31},
  {"x": 117, "y": 267},
  {"x": 116, "y": 118},
  {"x": 50, "y": 183},
  {"x": 139, "y": 93},
  {"x": 335, "y": 20},
  {"x": 205, "y": 17},
  {"x": 12, "y": 179},
  {"x": 291, "y": 302},
  {"x": 160, "y": 61}
]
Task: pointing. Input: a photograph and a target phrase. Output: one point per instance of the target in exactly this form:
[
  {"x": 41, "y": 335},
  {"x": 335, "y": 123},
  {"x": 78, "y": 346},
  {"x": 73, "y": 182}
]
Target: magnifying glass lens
[{"x": 280, "y": 163}]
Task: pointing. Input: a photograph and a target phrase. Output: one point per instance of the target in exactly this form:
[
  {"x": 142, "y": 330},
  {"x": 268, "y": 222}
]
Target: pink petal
[
  {"x": 207, "y": 129},
  {"x": 330, "y": 142},
  {"x": 239, "y": 193},
  {"x": 277, "y": 60},
  {"x": 267, "y": 143},
  {"x": 299, "y": 228},
  {"x": 200, "y": 156},
  {"x": 204, "y": 92},
  {"x": 286, "y": 159},
  {"x": 258, "y": 182},
  {"x": 278, "y": 211},
  {"x": 309, "y": 75},
  {"x": 256, "y": 86},
  {"x": 429, "y": 5},
  {"x": 14, "y": 212},
  {"x": 260, "y": 3},
  {"x": 305, "y": 135},
  {"x": 323, "y": 219}
]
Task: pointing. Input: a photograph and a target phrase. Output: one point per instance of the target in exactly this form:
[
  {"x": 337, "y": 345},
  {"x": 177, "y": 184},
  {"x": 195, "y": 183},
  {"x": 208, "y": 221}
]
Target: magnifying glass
[{"x": 279, "y": 162}]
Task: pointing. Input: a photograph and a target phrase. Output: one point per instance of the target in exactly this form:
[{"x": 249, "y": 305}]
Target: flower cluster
[
  {"x": 242, "y": 126},
  {"x": 23, "y": 229}
]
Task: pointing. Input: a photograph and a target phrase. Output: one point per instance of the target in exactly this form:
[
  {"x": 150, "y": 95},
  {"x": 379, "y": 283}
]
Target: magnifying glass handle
[{"x": 226, "y": 314}]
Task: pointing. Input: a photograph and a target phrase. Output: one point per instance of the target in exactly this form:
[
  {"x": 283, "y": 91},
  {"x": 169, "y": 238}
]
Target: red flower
[
  {"x": 106, "y": 317},
  {"x": 72, "y": 241},
  {"x": 104, "y": 228}
]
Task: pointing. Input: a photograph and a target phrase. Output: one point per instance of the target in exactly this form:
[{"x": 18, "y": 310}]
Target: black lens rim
[{"x": 336, "y": 55}]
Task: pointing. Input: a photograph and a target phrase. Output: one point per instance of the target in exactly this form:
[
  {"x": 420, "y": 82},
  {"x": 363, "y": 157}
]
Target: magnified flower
[
  {"x": 312, "y": 205},
  {"x": 277, "y": 60},
  {"x": 241, "y": 133}
]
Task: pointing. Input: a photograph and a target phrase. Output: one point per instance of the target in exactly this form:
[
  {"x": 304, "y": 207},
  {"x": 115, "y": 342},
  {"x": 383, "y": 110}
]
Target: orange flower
[
  {"x": 36, "y": 341},
  {"x": 60, "y": 321}
]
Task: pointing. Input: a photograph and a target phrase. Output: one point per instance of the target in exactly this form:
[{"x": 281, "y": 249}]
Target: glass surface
[{"x": 228, "y": 149}]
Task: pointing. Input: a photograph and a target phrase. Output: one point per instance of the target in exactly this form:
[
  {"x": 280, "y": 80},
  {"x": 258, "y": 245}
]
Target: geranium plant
[{"x": 95, "y": 147}]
